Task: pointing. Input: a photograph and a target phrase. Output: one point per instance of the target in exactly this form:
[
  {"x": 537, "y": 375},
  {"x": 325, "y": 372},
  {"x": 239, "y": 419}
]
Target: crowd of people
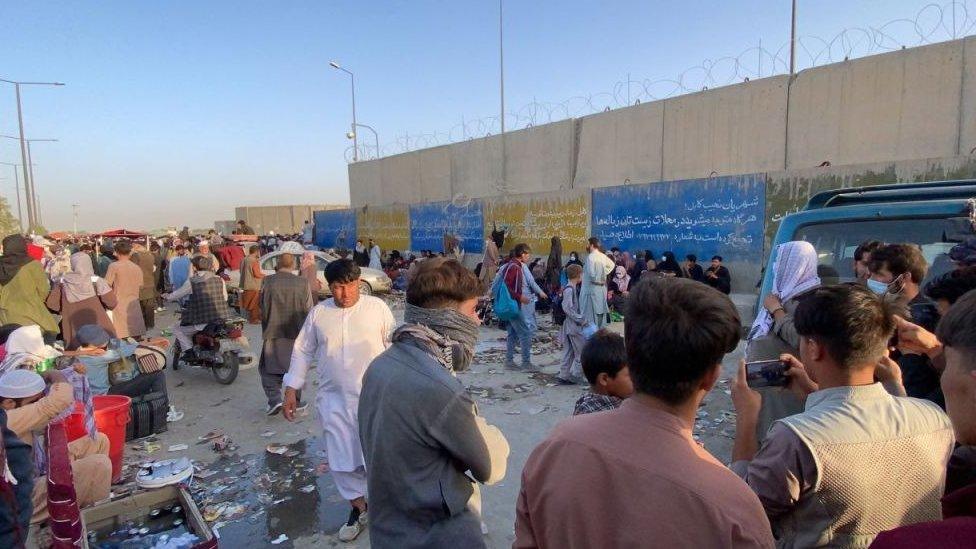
[{"x": 868, "y": 440}]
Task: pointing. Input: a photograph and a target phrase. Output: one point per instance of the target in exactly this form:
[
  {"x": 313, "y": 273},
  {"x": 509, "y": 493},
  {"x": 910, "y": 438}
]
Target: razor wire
[{"x": 933, "y": 23}]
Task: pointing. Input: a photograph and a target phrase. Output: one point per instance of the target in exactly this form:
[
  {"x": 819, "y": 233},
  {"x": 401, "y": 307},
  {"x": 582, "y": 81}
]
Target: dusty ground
[{"x": 260, "y": 496}]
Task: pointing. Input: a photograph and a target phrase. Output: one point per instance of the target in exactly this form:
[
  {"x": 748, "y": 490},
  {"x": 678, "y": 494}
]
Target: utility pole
[
  {"x": 793, "y": 41},
  {"x": 501, "y": 64},
  {"x": 74, "y": 212},
  {"x": 28, "y": 183}
]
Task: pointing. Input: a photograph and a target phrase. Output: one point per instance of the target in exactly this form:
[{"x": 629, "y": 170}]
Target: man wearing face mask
[
  {"x": 341, "y": 335},
  {"x": 897, "y": 271},
  {"x": 424, "y": 442}
]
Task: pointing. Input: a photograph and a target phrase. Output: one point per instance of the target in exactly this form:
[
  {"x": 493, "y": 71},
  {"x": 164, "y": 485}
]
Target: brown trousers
[
  {"x": 251, "y": 303},
  {"x": 91, "y": 470}
]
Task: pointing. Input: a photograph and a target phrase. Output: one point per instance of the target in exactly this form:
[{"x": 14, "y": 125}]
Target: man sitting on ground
[
  {"x": 605, "y": 367},
  {"x": 29, "y": 411},
  {"x": 129, "y": 359},
  {"x": 634, "y": 476},
  {"x": 858, "y": 460}
]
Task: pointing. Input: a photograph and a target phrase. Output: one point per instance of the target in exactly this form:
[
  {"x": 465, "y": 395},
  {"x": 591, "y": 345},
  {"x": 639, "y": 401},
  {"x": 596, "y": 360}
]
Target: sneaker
[
  {"x": 273, "y": 409},
  {"x": 509, "y": 365},
  {"x": 529, "y": 367},
  {"x": 564, "y": 381},
  {"x": 354, "y": 526}
]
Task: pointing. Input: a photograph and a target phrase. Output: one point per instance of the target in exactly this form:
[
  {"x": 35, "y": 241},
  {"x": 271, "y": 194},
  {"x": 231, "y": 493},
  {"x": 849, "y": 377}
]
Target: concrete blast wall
[
  {"x": 280, "y": 219},
  {"x": 904, "y": 105},
  {"x": 732, "y": 130},
  {"x": 536, "y": 159},
  {"x": 882, "y": 108}
]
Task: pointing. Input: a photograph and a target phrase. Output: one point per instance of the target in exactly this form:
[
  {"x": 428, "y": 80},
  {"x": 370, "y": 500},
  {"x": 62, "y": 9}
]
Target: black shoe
[{"x": 564, "y": 381}]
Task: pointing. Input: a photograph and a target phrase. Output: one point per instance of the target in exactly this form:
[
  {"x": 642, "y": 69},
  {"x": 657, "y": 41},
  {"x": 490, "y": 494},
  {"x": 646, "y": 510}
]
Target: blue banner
[
  {"x": 716, "y": 216},
  {"x": 335, "y": 229},
  {"x": 429, "y": 223}
]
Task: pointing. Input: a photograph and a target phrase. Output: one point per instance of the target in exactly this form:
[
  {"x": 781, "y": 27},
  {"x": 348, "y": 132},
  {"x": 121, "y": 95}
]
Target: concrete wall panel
[
  {"x": 435, "y": 174},
  {"x": 476, "y": 168},
  {"x": 900, "y": 105},
  {"x": 540, "y": 159},
  {"x": 731, "y": 130},
  {"x": 536, "y": 218},
  {"x": 280, "y": 219},
  {"x": 967, "y": 136},
  {"x": 388, "y": 226},
  {"x": 621, "y": 145},
  {"x": 365, "y": 183},
  {"x": 400, "y": 179}
]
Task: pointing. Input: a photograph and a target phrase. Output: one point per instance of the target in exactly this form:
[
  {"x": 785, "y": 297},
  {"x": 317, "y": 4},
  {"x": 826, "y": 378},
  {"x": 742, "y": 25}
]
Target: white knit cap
[{"x": 20, "y": 384}]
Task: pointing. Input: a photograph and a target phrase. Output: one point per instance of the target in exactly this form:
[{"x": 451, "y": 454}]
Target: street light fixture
[
  {"x": 28, "y": 188},
  {"x": 352, "y": 81}
]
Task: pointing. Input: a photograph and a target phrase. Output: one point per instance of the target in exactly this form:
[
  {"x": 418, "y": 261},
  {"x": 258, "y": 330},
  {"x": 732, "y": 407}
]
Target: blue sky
[{"x": 175, "y": 112}]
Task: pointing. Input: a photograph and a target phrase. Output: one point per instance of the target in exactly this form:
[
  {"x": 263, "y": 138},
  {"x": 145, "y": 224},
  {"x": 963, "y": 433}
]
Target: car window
[
  {"x": 836, "y": 242},
  {"x": 320, "y": 264},
  {"x": 270, "y": 263}
]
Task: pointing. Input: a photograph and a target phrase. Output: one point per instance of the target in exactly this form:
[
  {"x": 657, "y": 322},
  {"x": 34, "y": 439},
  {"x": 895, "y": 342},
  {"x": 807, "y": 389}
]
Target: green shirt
[{"x": 22, "y": 299}]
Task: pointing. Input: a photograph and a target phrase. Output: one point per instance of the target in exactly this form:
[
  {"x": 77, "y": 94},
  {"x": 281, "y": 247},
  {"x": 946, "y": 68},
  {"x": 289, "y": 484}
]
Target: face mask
[{"x": 877, "y": 287}]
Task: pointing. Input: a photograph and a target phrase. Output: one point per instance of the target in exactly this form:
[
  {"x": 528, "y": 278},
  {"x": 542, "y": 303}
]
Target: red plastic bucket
[{"x": 112, "y": 413}]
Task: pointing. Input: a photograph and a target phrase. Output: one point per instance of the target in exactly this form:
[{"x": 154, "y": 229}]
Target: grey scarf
[{"x": 446, "y": 334}]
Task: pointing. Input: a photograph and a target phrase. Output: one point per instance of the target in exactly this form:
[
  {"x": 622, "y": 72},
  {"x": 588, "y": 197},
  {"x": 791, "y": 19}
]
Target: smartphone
[{"x": 766, "y": 373}]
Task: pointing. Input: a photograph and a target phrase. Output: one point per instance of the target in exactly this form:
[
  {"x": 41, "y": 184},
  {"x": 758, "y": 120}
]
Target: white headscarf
[
  {"x": 794, "y": 272},
  {"x": 26, "y": 345}
]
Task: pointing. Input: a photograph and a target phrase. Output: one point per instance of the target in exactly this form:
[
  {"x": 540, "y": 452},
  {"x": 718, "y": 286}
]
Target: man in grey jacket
[{"x": 425, "y": 444}]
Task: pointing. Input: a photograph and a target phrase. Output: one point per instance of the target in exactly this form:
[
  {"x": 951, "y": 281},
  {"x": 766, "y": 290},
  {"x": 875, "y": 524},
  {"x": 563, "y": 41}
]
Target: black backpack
[{"x": 558, "y": 315}]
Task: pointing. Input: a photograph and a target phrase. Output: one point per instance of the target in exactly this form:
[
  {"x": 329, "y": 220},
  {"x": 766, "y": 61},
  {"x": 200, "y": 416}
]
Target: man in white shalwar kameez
[
  {"x": 341, "y": 336},
  {"x": 375, "y": 256},
  {"x": 593, "y": 291}
]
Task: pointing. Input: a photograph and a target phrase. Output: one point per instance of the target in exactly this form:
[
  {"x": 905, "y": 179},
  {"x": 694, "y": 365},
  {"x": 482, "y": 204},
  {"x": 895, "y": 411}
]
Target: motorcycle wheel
[
  {"x": 226, "y": 373},
  {"x": 177, "y": 353}
]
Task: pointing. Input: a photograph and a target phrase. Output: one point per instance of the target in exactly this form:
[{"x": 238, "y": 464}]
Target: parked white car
[{"x": 372, "y": 281}]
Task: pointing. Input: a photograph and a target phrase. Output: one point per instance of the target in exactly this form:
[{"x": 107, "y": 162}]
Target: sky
[{"x": 174, "y": 112}]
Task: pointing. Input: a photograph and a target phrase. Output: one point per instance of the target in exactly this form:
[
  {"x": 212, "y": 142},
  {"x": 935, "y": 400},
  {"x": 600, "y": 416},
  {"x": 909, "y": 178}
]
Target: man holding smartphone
[{"x": 857, "y": 460}]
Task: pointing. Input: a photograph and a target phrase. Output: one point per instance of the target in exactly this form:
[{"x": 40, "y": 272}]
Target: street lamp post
[
  {"x": 28, "y": 188},
  {"x": 74, "y": 212},
  {"x": 352, "y": 81},
  {"x": 30, "y": 170},
  {"x": 20, "y": 216},
  {"x": 793, "y": 39},
  {"x": 33, "y": 204},
  {"x": 376, "y": 137}
]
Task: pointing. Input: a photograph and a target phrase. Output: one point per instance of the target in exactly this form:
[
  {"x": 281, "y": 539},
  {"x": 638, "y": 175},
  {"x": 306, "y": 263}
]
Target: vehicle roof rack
[{"x": 900, "y": 192}]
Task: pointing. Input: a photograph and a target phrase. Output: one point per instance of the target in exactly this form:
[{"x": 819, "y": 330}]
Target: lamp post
[
  {"x": 352, "y": 81},
  {"x": 501, "y": 64},
  {"x": 376, "y": 137},
  {"x": 74, "y": 213},
  {"x": 20, "y": 217},
  {"x": 28, "y": 188},
  {"x": 33, "y": 204},
  {"x": 793, "y": 39},
  {"x": 30, "y": 170}
]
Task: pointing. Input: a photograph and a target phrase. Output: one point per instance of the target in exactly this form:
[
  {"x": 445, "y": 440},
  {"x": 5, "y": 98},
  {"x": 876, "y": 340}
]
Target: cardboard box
[{"x": 112, "y": 514}]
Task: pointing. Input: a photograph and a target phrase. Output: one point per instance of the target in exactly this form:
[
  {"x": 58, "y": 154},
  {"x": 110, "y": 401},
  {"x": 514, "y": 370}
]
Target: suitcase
[{"x": 148, "y": 416}]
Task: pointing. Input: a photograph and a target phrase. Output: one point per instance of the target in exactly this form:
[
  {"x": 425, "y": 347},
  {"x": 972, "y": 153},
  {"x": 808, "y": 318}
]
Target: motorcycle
[{"x": 218, "y": 346}]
